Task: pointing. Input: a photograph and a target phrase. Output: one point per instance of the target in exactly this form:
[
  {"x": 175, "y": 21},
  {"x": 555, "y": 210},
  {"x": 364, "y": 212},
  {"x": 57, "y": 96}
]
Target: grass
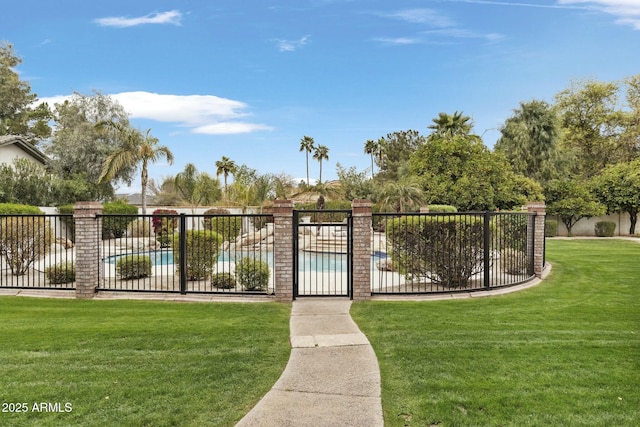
[
  {"x": 566, "y": 352},
  {"x": 138, "y": 363}
]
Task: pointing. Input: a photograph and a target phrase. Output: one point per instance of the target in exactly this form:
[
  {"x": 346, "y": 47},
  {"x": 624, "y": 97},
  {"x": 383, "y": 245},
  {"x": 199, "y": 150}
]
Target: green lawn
[
  {"x": 564, "y": 353},
  {"x": 137, "y": 363}
]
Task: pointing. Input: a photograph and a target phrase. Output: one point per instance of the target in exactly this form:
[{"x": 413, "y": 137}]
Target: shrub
[
  {"x": 133, "y": 267},
  {"x": 510, "y": 229},
  {"x": 253, "y": 274},
  {"x": 219, "y": 221},
  {"x": 17, "y": 209},
  {"x": 445, "y": 249},
  {"x": 23, "y": 240},
  {"x": 164, "y": 226},
  {"x": 139, "y": 228},
  {"x": 117, "y": 225},
  {"x": 550, "y": 228},
  {"x": 325, "y": 216},
  {"x": 605, "y": 228},
  {"x": 443, "y": 208},
  {"x": 223, "y": 281},
  {"x": 61, "y": 273},
  {"x": 202, "y": 252}
]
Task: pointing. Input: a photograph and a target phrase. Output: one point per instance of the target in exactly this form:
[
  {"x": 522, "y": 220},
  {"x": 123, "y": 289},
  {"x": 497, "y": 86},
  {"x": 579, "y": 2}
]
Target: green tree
[
  {"x": 25, "y": 182},
  {"x": 530, "y": 140},
  {"x": 402, "y": 195},
  {"x": 372, "y": 148},
  {"x": 450, "y": 125},
  {"x": 138, "y": 148},
  {"x": 197, "y": 188},
  {"x": 321, "y": 153},
  {"x": 570, "y": 200},
  {"x": 307, "y": 144},
  {"x": 18, "y": 115},
  {"x": 354, "y": 184},
  {"x": 592, "y": 125},
  {"x": 395, "y": 150},
  {"x": 224, "y": 167},
  {"x": 618, "y": 188},
  {"x": 79, "y": 148}
]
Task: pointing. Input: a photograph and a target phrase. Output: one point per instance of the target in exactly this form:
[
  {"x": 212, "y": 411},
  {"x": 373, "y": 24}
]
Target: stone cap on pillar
[
  {"x": 537, "y": 207},
  {"x": 361, "y": 207},
  {"x": 282, "y": 207},
  {"x": 87, "y": 209}
]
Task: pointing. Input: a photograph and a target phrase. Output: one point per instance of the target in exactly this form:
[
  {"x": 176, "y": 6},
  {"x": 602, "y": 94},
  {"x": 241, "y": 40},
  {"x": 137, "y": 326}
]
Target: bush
[
  {"x": 139, "y": 228},
  {"x": 223, "y": 281},
  {"x": 510, "y": 229},
  {"x": 116, "y": 226},
  {"x": 325, "y": 216},
  {"x": 443, "y": 208},
  {"x": 61, "y": 273},
  {"x": 219, "y": 221},
  {"x": 550, "y": 228},
  {"x": 17, "y": 209},
  {"x": 202, "y": 252},
  {"x": 164, "y": 226},
  {"x": 605, "y": 228},
  {"x": 253, "y": 274},
  {"x": 448, "y": 250},
  {"x": 23, "y": 240},
  {"x": 133, "y": 267}
]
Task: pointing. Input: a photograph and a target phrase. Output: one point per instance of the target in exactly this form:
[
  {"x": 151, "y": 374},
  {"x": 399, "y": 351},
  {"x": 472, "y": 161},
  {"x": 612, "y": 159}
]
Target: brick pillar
[
  {"x": 361, "y": 232},
  {"x": 88, "y": 260},
  {"x": 283, "y": 250},
  {"x": 424, "y": 209},
  {"x": 539, "y": 209}
]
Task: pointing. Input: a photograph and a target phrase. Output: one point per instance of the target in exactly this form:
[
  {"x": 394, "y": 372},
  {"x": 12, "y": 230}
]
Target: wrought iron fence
[
  {"x": 450, "y": 252},
  {"x": 187, "y": 253},
  {"x": 37, "y": 252}
]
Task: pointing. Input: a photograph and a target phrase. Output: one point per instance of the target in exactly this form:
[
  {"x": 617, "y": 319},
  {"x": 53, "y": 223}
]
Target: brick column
[
  {"x": 539, "y": 209},
  {"x": 361, "y": 246},
  {"x": 88, "y": 245},
  {"x": 283, "y": 250}
]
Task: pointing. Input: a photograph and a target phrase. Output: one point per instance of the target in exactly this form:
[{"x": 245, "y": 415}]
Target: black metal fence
[
  {"x": 230, "y": 254},
  {"x": 442, "y": 252},
  {"x": 36, "y": 252},
  {"x": 322, "y": 253}
]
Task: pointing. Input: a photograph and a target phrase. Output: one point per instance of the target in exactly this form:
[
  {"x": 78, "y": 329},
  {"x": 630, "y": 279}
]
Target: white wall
[{"x": 586, "y": 226}]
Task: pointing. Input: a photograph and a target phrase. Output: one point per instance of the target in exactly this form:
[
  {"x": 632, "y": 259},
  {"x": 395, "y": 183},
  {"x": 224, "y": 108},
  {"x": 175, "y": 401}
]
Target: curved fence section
[{"x": 451, "y": 252}]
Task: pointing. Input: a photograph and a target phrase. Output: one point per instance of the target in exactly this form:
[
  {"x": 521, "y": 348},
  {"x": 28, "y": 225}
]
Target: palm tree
[
  {"x": 321, "y": 153},
  {"x": 371, "y": 148},
  {"x": 448, "y": 126},
  {"x": 307, "y": 144},
  {"x": 225, "y": 166},
  {"x": 136, "y": 148},
  {"x": 401, "y": 195}
]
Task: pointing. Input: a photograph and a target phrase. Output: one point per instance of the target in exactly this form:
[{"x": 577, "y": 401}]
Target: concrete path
[{"x": 332, "y": 378}]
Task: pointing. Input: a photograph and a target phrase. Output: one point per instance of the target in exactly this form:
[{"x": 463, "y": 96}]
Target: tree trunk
[
  {"x": 144, "y": 178},
  {"x": 633, "y": 217}
]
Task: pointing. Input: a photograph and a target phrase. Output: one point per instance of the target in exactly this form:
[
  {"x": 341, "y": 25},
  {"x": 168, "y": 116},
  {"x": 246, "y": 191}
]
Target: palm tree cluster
[{"x": 320, "y": 153}]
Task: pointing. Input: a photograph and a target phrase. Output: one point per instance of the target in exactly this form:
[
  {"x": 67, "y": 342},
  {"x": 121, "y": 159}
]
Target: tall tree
[
  {"x": 450, "y": 125},
  {"x": 571, "y": 200},
  {"x": 592, "y": 125},
  {"x": 371, "y": 148},
  {"x": 321, "y": 153},
  {"x": 530, "y": 140},
  {"x": 307, "y": 144},
  {"x": 138, "y": 148},
  {"x": 18, "y": 115},
  {"x": 402, "y": 195},
  {"x": 395, "y": 150},
  {"x": 224, "y": 167},
  {"x": 79, "y": 147}
]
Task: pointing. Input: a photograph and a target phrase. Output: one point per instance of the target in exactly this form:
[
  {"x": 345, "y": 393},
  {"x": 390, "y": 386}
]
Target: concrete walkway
[{"x": 332, "y": 378}]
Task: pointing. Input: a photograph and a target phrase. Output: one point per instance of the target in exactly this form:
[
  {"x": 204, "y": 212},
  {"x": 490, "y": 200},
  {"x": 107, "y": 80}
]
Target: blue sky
[{"x": 248, "y": 79}]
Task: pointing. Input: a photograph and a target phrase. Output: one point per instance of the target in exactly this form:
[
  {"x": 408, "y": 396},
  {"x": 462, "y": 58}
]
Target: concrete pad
[
  {"x": 333, "y": 324},
  {"x": 341, "y": 340},
  {"x": 303, "y": 341},
  {"x": 296, "y": 409},
  {"x": 349, "y": 371},
  {"x": 316, "y": 307}
]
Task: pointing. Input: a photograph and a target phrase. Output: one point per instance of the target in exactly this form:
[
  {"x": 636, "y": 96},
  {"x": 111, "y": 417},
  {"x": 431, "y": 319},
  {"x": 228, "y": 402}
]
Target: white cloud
[
  {"x": 204, "y": 114},
  {"x": 627, "y": 11},
  {"x": 422, "y": 16},
  {"x": 171, "y": 17},
  {"x": 291, "y": 45},
  {"x": 398, "y": 40}
]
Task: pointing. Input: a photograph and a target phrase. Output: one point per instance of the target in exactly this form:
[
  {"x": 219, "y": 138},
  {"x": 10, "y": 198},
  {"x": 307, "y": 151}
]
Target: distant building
[{"x": 17, "y": 147}]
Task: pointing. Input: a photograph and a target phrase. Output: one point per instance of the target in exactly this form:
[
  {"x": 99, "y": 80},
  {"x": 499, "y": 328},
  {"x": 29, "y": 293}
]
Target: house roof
[{"x": 22, "y": 143}]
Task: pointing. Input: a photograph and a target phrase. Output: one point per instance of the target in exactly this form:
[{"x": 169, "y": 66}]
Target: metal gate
[{"x": 323, "y": 254}]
